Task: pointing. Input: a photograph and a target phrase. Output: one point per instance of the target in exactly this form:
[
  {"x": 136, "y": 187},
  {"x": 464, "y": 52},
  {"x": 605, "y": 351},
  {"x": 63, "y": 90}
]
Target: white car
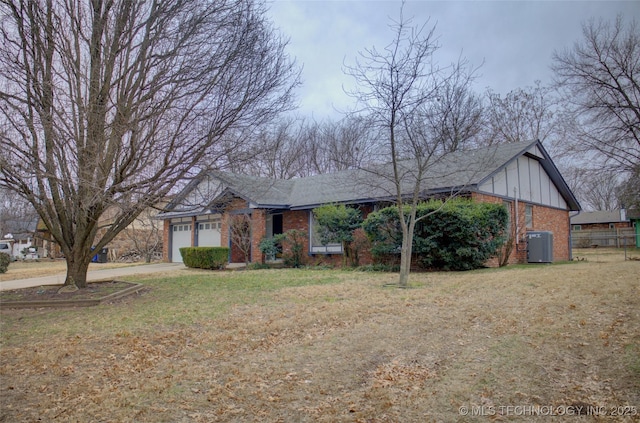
[{"x": 5, "y": 247}]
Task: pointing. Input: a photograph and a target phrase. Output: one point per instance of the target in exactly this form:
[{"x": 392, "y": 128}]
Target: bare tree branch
[
  {"x": 109, "y": 104},
  {"x": 397, "y": 89},
  {"x": 599, "y": 76}
]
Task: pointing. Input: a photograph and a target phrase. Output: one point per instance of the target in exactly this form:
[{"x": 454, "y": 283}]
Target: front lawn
[{"x": 327, "y": 346}]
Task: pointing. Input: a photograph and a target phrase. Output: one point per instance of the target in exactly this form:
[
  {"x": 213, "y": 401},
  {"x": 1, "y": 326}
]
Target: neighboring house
[
  {"x": 608, "y": 228},
  {"x": 520, "y": 175},
  {"x": 50, "y": 248},
  {"x": 143, "y": 237},
  {"x": 607, "y": 219},
  {"x": 20, "y": 237},
  {"x": 141, "y": 240}
]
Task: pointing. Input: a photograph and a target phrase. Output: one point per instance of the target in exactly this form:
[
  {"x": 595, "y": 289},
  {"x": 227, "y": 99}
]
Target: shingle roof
[
  {"x": 22, "y": 228},
  {"x": 459, "y": 170},
  {"x": 605, "y": 216},
  {"x": 262, "y": 191}
]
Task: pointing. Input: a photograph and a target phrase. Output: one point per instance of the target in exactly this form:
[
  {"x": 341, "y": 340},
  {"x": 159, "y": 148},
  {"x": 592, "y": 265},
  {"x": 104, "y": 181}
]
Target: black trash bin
[{"x": 102, "y": 255}]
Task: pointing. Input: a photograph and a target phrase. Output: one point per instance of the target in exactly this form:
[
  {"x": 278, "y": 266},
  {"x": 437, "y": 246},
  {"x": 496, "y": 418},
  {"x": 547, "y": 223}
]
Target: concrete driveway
[{"x": 93, "y": 275}]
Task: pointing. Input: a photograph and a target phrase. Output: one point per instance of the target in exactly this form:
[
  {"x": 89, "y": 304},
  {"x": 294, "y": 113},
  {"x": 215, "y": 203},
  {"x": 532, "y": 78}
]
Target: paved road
[{"x": 93, "y": 275}]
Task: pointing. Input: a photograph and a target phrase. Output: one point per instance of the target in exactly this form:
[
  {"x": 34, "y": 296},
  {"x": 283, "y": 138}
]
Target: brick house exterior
[
  {"x": 605, "y": 228},
  {"x": 597, "y": 220},
  {"x": 519, "y": 174}
]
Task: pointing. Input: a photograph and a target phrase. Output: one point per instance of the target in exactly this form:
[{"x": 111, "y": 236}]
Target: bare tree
[
  {"x": 294, "y": 147},
  {"x": 145, "y": 235},
  {"x": 527, "y": 114},
  {"x": 596, "y": 189},
  {"x": 599, "y": 76},
  {"x": 16, "y": 214},
  {"x": 107, "y": 104},
  {"x": 279, "y": 153},
  {"x": 628, "y": 191},
  {"x": 456, "y": 117},
  {"x": 397, "y": 88},
  {"x": 347, "y": 144},
  {"x": 240, "y": 234}
]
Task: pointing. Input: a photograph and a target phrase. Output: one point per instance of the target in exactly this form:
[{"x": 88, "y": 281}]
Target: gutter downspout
[{"x": 515, "y": 196}]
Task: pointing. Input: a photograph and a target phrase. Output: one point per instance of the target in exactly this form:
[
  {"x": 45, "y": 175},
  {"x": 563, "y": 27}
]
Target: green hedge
[
  {"x": 205, "y": 257},
  {"x": 5, "y": 259},
  {"x": 459, "y": 235}
]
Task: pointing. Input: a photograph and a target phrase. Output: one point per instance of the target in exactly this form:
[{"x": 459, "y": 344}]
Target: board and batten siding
[{"x": 528, "y": 177}]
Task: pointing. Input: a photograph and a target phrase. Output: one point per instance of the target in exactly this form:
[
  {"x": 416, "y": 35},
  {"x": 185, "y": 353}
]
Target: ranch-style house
[{"x": 521, "y": 176}]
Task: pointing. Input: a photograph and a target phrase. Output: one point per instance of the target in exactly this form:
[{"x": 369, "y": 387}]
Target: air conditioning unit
[{"x": 540, "y": 247}]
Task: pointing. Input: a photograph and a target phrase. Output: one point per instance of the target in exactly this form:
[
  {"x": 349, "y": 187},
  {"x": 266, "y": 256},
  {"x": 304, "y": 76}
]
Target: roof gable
[
  {"x": 534, "y": 175},
  {"x": 461, "y": 170}
]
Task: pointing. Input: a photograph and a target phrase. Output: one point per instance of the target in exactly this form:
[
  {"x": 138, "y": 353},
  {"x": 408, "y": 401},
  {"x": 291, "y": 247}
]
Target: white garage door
[
  {"x": 209, "y": 234},
  {"x": 180, "y": 237}
]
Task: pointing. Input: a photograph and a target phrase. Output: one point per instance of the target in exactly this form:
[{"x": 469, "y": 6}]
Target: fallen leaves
[
  {"x": 339, "y": 352},
  {"x": 401, "y": 375}
]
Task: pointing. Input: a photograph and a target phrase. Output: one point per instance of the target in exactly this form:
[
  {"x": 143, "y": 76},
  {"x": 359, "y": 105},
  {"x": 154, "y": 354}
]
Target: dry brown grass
[
  {"x": 46, "y": 267},
  {"x": 606, "y": 255},
  {"x": 334, "y": 346}
]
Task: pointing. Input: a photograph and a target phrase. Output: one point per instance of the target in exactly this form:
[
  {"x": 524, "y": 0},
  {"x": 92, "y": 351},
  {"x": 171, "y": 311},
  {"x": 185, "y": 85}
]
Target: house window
[
  {"x": 316, "y": 246},
  {"x": 528, "y": 216},
  {"x": 577, "y": 227},
  {"x": 209, "y": 226},
  {"x": 507, "y": 205}
]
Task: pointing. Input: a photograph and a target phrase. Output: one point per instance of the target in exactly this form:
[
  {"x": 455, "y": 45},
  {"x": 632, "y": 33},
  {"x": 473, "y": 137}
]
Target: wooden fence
[{"x": 617, "y": 238}]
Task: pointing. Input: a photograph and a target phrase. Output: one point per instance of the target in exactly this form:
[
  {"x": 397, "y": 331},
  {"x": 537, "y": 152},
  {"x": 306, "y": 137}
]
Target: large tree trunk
[
  {"x": 106, "y": 105},
  {"x": 77, "y": 269}
]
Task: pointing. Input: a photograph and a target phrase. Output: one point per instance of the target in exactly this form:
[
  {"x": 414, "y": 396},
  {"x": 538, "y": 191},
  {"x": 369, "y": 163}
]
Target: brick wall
[
  {"x": 361, "y": 242},
  {"x": 557, "y": 222},
  {"x": 258, "y": 231},
  {"x": 235, "y": 205},
  {"x": 295, "y": 219},
  {"x": 165, "y": 240},
  {"x": 299, "y": 220},
  {"x": 545, "y": 218}
]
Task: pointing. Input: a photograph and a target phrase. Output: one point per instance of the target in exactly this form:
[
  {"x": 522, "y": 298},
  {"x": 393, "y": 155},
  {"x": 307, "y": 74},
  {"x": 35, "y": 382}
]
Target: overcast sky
[{"x": 514, "y": 39}]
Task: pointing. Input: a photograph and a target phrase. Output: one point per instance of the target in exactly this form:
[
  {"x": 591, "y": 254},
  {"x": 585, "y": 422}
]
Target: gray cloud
[{"x": 514, "y": 39}]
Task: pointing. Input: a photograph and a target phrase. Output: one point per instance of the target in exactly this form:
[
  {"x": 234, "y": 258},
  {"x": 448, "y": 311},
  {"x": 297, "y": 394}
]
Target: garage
[
  {"x": 209, "y": 233},
  {"x": 180, "y": 237}
]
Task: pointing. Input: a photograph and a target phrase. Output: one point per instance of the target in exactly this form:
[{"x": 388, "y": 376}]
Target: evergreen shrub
[
  {"x": 5, "y": 259},
  {"x": 205, "y": 257},
  {"x": 457, "y": 235}
]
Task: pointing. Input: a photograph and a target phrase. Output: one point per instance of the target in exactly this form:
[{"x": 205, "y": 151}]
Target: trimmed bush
[
  {"x": 269, "y": 247},
  {"x": 5, "y": 259},
  {"x": 205, "y": 257},
  {"x": 293, "y": 247},
  {"x": 459, "y": 235},
  {"x": 463, "y": 235},
  {"x": 337, "y": 224}
]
